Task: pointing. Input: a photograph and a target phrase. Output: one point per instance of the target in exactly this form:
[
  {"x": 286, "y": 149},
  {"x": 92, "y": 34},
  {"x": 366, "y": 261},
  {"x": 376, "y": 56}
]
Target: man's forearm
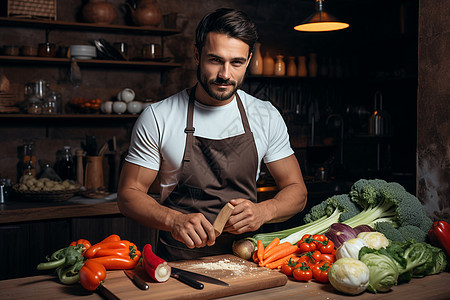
[
  {"x": 286, "y": 203},
  {"x": 145, "y": 210}
]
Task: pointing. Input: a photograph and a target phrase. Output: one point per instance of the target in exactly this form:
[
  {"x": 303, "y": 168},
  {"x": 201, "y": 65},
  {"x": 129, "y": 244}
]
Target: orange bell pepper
[{"x": 91, "y": 275}]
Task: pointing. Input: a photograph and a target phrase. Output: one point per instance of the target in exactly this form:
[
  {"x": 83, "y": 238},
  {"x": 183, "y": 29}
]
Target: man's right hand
[{"x": 194, "y": 230}]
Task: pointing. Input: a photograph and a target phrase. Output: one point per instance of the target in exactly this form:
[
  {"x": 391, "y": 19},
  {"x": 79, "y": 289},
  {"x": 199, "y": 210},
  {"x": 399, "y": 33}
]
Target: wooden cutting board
[{"x": 242, "y": 276}]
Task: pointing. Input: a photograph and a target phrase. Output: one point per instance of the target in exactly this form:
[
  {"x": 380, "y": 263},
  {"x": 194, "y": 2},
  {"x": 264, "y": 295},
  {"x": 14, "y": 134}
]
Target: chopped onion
[{"x": 339, "y": 233}]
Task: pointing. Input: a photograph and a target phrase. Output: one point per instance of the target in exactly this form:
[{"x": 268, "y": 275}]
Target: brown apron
[{"x": 213, "y": 173}]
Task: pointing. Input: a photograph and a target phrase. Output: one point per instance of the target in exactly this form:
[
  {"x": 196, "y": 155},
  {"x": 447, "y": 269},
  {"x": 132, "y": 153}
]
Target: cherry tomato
[
  {"x": 320, "y": 237},
  {"x": 320, "y": 271},
  {"x": 328, "y": 257},
  {"x": 307, "y": 244},
  {"x": 316, "y": 256},
  {"x": 289, "y": 267},
  {"x": 302, "y": 273},
  {"x": 326, "y": 247}
]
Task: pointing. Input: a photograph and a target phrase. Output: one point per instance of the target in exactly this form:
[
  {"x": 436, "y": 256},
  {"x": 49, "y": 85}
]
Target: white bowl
[{"x": 83, "y": 51}]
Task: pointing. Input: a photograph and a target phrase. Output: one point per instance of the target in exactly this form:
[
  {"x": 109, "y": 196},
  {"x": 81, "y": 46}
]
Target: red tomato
[
  {"x": 316, "y": 256},
  {"x": 320, "y": 271},
  {"x": 307, "y": 244},
  {"x": 329, "y": 258},
  {"x": 327, "y": 247},
  {"x": 289, "y": 267},
  {"x": 302, "y": 273}
]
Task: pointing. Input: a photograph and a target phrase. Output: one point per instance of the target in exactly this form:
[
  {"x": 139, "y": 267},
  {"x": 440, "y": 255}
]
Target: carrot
[
  {"x": 272, "y": 244},
  {"x": 276, "y": 249},
  {"x": 260, "y": 250},
  {"x": 255, "y": 256},
  {"x": 280, "y": 254},
  {"x": 279, "y": 262}
]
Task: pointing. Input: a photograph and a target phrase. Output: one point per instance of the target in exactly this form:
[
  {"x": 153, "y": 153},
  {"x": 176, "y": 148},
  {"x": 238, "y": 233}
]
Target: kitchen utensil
[
  {"x": 379, "y": 121},
  {"x": 47, "y": 50},
  {"x": 197, "y": 276},
  {"x": 138, "y": 281},
  {"x": 93, "y": 177},
  {"x": 185, "y": 278},
  {"x": 107, "y": 51},
  {"x": 151, "y": 51},
  {"x": 222, "y": 218},
  {"x": 106, "y": 293}
]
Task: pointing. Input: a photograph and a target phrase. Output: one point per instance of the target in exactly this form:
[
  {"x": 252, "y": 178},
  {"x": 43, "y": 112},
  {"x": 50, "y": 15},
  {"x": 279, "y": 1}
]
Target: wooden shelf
[
  {"x": 88, "y": 62},
  {"x": 68, "y": 116},
  {"x": 149, "y": 30}
]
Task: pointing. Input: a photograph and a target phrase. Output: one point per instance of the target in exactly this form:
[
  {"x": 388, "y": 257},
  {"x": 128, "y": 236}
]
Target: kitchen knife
[
  {"x": 185, "y": 278},
  {"x": 138, "y": 281},
  {"x": 107, "y": 294},
  {"x": 197, "y": 276}
]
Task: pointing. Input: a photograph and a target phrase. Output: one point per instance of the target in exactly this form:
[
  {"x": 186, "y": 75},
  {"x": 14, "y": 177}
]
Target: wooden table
[{"x": 435, "y": 287}]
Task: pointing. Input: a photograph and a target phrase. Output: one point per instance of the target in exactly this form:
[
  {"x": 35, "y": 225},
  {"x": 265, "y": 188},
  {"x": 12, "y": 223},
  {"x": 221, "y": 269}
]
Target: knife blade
[
  {"x": 107, "y": 294},
  {"x": 185, "y": 279},
  {"x": 138, "y": 281},
  {"x": 199, "y": 277}
]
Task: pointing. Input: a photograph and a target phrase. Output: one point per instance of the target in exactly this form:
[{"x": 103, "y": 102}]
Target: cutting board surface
[{"x": 242, "y": 276}]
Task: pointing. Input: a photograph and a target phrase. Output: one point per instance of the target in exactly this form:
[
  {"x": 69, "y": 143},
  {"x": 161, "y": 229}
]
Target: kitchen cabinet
[
  {"x": 101, "y": 79},
  {"x": 49, "y": 26}
]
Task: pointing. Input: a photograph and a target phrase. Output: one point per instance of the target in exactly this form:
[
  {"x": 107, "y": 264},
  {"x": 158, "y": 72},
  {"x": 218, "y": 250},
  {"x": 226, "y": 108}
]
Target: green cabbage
[{"x": 383, "y": 272}]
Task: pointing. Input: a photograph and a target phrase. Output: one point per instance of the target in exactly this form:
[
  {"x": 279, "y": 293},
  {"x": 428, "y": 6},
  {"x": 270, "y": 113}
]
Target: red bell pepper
[{"x": 439, "y": 235}]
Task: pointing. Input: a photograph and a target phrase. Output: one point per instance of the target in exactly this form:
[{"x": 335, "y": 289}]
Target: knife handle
[
  {"x": 140, "y": 282},
  {"x": 189, "y": 281}
]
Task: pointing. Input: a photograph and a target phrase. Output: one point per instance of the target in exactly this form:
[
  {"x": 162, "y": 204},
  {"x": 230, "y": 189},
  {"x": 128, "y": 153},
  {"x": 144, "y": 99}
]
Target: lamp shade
[{"x": 320, "y": 21}]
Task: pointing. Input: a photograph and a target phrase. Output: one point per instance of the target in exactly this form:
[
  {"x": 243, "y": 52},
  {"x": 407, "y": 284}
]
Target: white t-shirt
[{"x": 158, "y": 139}]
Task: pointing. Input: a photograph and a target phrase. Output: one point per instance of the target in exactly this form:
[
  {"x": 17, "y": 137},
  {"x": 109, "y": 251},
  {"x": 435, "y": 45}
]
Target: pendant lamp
[{"x": 320, "y": 21}]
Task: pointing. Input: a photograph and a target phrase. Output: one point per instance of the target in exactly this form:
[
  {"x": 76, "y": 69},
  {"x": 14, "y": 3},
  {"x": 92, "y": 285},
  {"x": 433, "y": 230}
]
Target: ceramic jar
[
  {"x": 134, "y": 107},
  {"x": 268, "y": 65},
  {"x": 280, "y": 66},
  {"x": 291, "y": 67},
  {"x": 256, "y": 63},
  {"x": 107, "y": 107},
  {"x": 99, "y": 11},
  {"x": 119, "y": 107},
  {"x": 302, "y": 70},
  {"x": 126, "y": 95},
  {"x": 146, "y": 13},
  {"x": 312, "y": 65}
]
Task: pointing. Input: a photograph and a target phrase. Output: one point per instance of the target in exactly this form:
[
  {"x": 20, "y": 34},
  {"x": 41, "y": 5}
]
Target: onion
[
  {"x": 339, "y": 233},
  {"x": 363, "y": 228},
  {"x": 243, "y": 248}
]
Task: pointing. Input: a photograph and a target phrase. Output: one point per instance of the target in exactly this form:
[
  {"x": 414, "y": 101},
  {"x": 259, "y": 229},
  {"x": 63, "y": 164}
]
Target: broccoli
[
  {"x": 340, "y": 204},
  {"x": 389, "y": 203},
  {"x": 389, "y": 231}
]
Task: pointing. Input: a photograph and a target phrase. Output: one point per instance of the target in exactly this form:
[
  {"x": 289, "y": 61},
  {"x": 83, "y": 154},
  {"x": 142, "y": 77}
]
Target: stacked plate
[
  {"x": 83, "y": 51},
  {"x": 8, "y": 103}
]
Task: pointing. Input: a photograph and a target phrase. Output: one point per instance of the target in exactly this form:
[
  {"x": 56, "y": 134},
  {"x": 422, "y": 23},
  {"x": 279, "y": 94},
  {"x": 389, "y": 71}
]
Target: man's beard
[{"x": 221, "y": 96}]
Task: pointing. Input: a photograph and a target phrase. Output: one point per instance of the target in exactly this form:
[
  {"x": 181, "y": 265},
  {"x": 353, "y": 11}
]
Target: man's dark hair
[{"x": 234, "y": 23}]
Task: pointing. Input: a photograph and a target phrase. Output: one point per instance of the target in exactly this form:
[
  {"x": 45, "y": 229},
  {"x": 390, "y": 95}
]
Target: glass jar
[
  {"x": 34, "y": 105},
  {"x": 52, "y": 103},
  {"x": 65, "y": 167}
]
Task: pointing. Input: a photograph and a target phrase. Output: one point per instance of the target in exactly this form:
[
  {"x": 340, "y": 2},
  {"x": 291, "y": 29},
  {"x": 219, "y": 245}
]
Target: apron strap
[{"x": 189, "y": 130}]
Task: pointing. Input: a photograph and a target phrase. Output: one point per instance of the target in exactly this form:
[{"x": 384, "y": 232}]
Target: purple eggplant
[{"x": 339, "y": 233}]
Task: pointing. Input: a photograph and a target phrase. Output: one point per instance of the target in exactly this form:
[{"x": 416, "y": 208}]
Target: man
[{"x": 205, "y": 145}]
